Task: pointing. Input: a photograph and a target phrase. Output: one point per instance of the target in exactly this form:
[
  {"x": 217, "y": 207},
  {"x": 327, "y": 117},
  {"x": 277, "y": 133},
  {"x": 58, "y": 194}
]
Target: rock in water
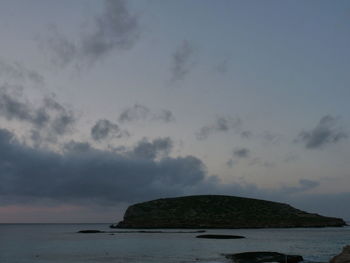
[
  {"x": 259, "y": 257},
  {"x": 90, "y": 231},
  {"x": 218, "y": 211},
  {"x": 210, "y": 236},
  {"x": 343, "y": 257}
]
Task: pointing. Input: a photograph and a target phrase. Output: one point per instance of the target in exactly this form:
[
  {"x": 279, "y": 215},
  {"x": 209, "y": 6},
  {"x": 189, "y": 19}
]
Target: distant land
[{"x": 219, "y": 211}]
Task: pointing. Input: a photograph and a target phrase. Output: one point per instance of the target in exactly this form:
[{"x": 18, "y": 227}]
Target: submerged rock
[
  {"x": 220, "y": 236},
  {"x": 259, "y": 257},
  {"x": 218, "y": 211},
  {"x": 343, "y": 257}
]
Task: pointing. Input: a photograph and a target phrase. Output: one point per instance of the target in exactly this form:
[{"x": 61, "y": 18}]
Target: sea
[{"x": 53, "y": 243}]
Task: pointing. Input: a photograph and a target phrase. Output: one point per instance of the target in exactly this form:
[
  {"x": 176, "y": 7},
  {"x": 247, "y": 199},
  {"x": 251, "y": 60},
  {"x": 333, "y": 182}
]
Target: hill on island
[{"x": 218, "y": 211}]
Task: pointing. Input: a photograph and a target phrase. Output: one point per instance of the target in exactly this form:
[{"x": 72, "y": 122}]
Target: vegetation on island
[{"x": 219, "y": 211}]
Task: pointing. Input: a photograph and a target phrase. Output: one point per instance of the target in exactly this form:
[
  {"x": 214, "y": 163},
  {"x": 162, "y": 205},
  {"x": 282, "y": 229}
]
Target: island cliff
[{"x": 218, "y": 211}]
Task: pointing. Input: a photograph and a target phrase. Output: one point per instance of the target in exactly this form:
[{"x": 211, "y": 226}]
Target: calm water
[{"x": 51, "y": 243}]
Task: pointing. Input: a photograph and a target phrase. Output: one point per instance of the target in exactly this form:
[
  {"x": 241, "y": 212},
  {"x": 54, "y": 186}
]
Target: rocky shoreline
[
  {"x": 343, "y": 257},
  {"x": 263, "y": 256}
]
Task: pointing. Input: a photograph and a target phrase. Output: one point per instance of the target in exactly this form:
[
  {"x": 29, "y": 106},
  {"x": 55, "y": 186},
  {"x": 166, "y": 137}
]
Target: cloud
[
  {"x": 115, "y": 29},
  {"x": 141, "y": 112},
  {"x": 326, "y": 132},
  {"x": 64, "y": 51},
  {"x": 50, "y": 117},
  {"x": 303, "y": 185},
  {"x": 230, "y": 163},
  {"x": 241, "y": 152},
  {"x": 330, "y": 204},
  {"x": 246, "y": 134},
  {"x": 182, "y": 61},
  {"x": 16, "y": 71},
  {"x": 291, "y": 157},
  {"x": 223, "y": 66},
  {"x": 104, "y": 129},
  {"x": 81, "y": 173},
  {"x": 271, "y": 137},
  {"x": 164, "y": 115},
  {"x": 157, "y": 148},
  {"x": 221, "y": 124}
]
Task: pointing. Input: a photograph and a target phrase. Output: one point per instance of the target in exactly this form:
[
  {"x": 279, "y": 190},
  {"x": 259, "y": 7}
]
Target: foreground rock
[
  {"x": 220, "y": 236},
  {"x": 258, "y": 257},
  {"x": 217, "y": 211},
  {"x": 343, "y": 257}
]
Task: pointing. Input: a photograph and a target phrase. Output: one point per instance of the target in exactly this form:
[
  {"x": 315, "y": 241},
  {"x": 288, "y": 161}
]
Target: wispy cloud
[
  {"x": 327, "y": 131},
  {"x": 104, "y": 129},
  {"x": 221, "y": 124},
  {"x": 18, "y": 72},
  {"x": 182, "y": 61},
  {"x": 246, "y": 134},
  {"x": 115, "y": 29},
  {"x": 223, "y": 66},
  {"x": 241, "y": 152},
  {"x": 303, "y": 185},
  {"x": 49, "y": 117},
  {"x": 141, "y": 112}
]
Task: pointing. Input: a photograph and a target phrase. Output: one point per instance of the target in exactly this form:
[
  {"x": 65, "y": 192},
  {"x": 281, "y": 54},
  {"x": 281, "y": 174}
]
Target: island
[{"x": 219, "y": 211}]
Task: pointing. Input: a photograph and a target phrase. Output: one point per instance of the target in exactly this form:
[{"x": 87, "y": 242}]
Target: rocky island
[{"x": 218, "y": 211}]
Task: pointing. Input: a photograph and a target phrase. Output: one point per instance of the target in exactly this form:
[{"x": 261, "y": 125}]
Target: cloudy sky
[{"x": 108, "y": 103}]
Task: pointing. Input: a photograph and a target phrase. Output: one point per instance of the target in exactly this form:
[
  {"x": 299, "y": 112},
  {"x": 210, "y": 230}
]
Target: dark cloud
[
  {"x": 50, "y": 117},
  {"x": 104, "y": 129},
  {"x": 241, "y": 152},
  {"x": 16, "y": 71},
  {"x": 116, "y": 28},
  {"x": 326, "y": 132},
  {"x": 141, "y": 112},
  {"x": 221, "y": 124},
  {"x": 82, "y": 172},
  {"x": 182, "y": 61}
]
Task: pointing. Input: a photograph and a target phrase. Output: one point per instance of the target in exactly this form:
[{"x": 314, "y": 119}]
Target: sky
[{"x": 107, "y": 103}]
